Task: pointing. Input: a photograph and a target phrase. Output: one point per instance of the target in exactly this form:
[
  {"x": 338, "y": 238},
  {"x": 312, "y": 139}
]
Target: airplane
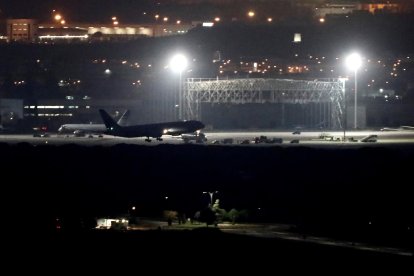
[
  {"x": 149, "y": 130},
  {"x": 81, "y": 129},
  {"x": 401, "y": 128}
]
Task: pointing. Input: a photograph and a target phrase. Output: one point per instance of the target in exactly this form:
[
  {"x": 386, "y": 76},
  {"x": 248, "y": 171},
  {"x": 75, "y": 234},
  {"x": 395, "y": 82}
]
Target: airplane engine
[{"x": 79, "y": 133}]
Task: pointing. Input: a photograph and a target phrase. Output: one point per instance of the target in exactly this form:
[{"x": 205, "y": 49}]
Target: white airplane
[
  {"x": 401, "y": 128},
  {"x": 82, "y": 129},
  {"x": 149, "y": 130}
]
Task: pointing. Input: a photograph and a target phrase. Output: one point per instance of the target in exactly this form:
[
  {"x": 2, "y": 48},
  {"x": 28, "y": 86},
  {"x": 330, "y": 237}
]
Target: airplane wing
[{"x": 175, "y": 131}]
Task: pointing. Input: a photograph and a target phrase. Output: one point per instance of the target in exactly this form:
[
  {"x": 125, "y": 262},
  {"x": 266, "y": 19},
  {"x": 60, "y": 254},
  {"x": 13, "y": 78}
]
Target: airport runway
[{"x": 308, "y": 138}]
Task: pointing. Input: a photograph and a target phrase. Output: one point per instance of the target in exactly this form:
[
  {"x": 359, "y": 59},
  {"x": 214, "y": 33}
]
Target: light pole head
[
  {"x": 178, "y": 63},
  {"x": 354, "y": 61}
]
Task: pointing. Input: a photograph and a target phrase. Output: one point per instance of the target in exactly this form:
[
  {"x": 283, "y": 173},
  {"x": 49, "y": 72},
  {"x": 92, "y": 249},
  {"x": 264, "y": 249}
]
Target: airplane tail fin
[
  {"x": 123, "y": 120},
  {"x": 108, "y": 121}
]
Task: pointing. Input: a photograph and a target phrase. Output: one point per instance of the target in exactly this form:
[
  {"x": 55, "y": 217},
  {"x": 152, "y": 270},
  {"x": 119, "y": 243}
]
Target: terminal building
[
  {"x": 21, "y": 29},
  {"x": 29, "y": 30}
]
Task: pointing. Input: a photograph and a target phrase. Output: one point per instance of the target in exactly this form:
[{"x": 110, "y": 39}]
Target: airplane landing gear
[
  {"x": 148, "y": 140},
  {"x": 159, "y": 139}
]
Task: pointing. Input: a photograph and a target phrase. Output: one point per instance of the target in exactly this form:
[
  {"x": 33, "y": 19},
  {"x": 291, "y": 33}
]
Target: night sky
[
  {"x": 128, "y": 11},
  {"x": 77, "y": 10}
]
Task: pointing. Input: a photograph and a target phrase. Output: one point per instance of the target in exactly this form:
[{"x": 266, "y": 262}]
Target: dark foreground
[
  {"x": 361, "y": 195},
  {"x": 208, "y": 250}
]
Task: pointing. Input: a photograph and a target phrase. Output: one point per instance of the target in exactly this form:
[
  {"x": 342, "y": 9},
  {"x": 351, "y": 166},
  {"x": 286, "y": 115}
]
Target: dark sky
[
  {"x": 77, "y": 10},
  {"x": 128, "y": 11}
]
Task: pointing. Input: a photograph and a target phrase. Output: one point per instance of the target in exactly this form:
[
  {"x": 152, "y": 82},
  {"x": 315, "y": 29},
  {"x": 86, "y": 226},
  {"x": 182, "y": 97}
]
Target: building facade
[
  {"x": 28, "y": 30},
  {"x": 21, "y": 30}
]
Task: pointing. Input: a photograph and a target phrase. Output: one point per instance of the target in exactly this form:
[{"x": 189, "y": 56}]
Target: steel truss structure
[{"x": 245, "y": 91}]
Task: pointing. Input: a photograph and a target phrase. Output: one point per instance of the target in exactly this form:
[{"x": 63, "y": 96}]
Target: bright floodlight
[
  {"x": 354, "y": 61},
  {"x": 178, "y": 63}
]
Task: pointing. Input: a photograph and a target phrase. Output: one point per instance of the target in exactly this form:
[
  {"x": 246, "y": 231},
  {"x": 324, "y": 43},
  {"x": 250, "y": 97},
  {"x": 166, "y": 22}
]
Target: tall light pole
[
  {"x": 178, "y": 63},
  {"x": 344, "y": 113},
  {"x": 211, "y": 197},
  {"x": 353, "y": 62},
  {"x": 131, "y": 211}
]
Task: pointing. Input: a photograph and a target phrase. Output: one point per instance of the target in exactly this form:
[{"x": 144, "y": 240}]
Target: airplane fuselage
[{"x": 92, "y": 128}]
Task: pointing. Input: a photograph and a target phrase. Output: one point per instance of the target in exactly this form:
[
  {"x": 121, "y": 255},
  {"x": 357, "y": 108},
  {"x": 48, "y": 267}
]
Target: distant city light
[
  {"x": 269, "y": 19},
  {"x": 322, "y": 20},
  {"x": 251, "y": 14},
  {"x": 297, "y": 37},
  {"x": 208, "y": 24},
  {"x": 217, "y": 19}
]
